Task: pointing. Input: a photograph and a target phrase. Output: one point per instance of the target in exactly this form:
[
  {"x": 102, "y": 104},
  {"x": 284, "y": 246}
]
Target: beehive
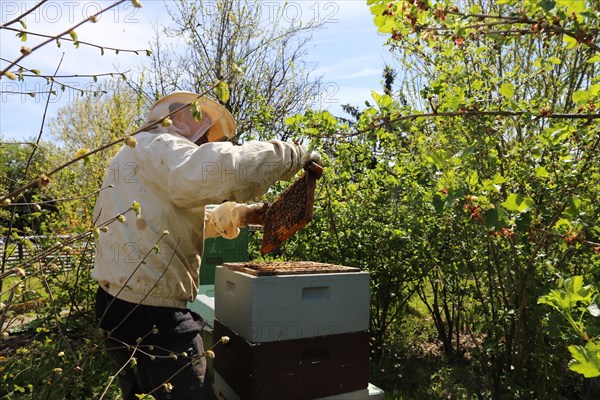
[
  {"x": 266, "y": 302},
  {"x": 296, "y": 369}
]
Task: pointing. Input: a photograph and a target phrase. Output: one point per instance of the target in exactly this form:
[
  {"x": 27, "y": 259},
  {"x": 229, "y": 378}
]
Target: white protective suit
[{"x": 173, "y": 179}]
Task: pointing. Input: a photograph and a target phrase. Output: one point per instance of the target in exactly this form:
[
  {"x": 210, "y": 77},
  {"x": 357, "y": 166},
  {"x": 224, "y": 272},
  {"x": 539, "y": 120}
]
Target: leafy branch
[
  {"x": 387, "y": 120},
  {"x": 535, "y": 26},
  {"x": 573, "y": 298},
  {"x": 402, "y": 18}
]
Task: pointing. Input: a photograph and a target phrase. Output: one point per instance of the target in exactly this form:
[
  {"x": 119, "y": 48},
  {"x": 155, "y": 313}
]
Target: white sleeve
[{"x": 217, "y": 172}]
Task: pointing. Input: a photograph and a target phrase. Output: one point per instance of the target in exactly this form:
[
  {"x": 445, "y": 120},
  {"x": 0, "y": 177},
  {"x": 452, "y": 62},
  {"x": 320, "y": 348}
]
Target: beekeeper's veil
[{"x": 217, "y": 123}]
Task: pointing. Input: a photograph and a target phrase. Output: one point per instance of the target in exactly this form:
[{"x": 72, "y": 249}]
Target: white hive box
[{"x": 291, "y": 300}]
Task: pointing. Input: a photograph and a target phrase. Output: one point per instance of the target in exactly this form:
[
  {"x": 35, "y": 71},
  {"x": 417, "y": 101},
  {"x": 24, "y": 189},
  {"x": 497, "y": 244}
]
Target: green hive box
[{"x": 219, "y": 250}]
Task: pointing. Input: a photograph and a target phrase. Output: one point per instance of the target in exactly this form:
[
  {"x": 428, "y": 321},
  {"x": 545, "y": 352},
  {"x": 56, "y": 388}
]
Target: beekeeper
[{"x": 152, "y": 222}]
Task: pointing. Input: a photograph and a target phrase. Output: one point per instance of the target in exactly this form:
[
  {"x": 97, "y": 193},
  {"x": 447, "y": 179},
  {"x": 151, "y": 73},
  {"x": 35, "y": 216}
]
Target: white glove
[
  {"x": 303, "y": 157},
  {"x": 221, "y": 221},
  {"x": 226, "y": 219},
  {"x": 253, "y": 214},
  {"x": 308, "y": 157}
]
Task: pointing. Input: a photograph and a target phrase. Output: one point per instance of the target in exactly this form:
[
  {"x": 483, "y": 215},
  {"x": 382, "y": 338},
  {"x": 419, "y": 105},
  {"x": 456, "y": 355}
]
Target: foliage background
[{"x": 467, "y": 186}]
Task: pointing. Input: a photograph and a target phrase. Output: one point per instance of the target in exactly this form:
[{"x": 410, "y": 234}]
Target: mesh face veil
[
  {"x": 192, "y": 129},
  {"x": 217, "y": 123}
]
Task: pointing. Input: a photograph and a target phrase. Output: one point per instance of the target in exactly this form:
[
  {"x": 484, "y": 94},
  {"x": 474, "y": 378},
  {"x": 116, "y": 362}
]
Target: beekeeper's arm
[
  {"x": 220, "y": 172},
  {"x": 226, "y": 219}
]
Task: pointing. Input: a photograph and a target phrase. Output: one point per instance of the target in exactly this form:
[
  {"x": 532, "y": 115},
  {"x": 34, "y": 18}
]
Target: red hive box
[{"x": 295, "y": 369}]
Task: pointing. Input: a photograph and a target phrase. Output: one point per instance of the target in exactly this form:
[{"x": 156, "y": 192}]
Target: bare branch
[
  {"x": 52, "y": 38},
  {"x": 20, "y": 17},
  {"x": 102, "y": 48}
]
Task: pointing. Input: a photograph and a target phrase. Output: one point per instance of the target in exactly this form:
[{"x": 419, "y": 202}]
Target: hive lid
[{"x": 266, "y": 268}]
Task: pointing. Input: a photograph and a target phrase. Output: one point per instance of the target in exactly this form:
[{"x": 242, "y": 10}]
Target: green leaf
[
  {"x": 73, "y": 35},
  {"x": 382, "y": 100},
  {"x": 586, "y": 360},
  {"x": 541, "y": 172},
  {"x": 438, "y": 202},
  {"x": 563, "y": 225},
  {"x": 437, "y": 158},
  {"x": 556, "y": 299},
  {"x": 464, "y": 153},
  {"x": 572, "y": 211},
  {"x": 570, "y": 41},
  {"x": 476, "y": 9},
  {"x": 222, "y": 90},
  {"x": 517, "y": 203},
  {"x": 507, "y": 90},
  {"x": 555, "y": 60},
  {"x": 548, "y": 5},
  {"x": 493, "y": 220},
  {"x": 196, "y": 110},
  {"x": 576, "y": 291},
  {"x": 472, "y": 179},
  {"x": 581, "y": 96},
  {"x": 573, "y": 6},
  {"x": 453, "y": 195}
]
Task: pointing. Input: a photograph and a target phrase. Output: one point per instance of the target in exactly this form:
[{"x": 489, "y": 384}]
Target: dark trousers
[
  {"x": 168, "y": 363},
  {"x": 175, "y": 372}
]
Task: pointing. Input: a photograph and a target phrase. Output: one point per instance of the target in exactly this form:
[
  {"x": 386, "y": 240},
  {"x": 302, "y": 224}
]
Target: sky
[{"x": 347, "y": 52}]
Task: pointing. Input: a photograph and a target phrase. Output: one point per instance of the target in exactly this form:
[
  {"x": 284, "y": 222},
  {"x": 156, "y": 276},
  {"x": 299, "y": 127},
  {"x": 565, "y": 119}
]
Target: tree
[
  {"x": 259, "y": 56},
  {"x": 493, "y": 127},
  {"x": 89, "y": 122},
  {"x": 53, "y": 279},
  {"x": 20, "y": 166},
  {"x": 510, "y": 92},
  {"x": 46, "y": 327}
]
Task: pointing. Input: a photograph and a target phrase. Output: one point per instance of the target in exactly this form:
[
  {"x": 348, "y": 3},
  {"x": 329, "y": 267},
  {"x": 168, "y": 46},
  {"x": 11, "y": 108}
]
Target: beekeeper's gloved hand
[
  {"x": 249, "y": 214},
  {"x": 227, "y": 218},
  {"x": 308, "y": 157},
  {"x": 302, "y": 156}
]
